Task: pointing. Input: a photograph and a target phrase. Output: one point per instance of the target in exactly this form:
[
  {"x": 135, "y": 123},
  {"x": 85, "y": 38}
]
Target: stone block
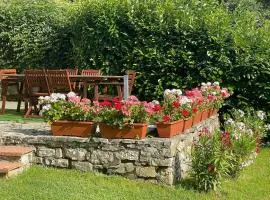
[
  {"x": 146, "y": 172},
  {"x": 76, "y": 154},
  {"x": 83, "y": 166},
  {"x": 45, "y": 152},
  {"x": 56, "y": 162},
  {"x": 107, "y": 158},
  {"x": 123, "y": 168},
  {"x": 129, "y": 154}
]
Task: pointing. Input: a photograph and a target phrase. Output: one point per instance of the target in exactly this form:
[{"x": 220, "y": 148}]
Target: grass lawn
[
  {"x": 12, "y": 115},
  {"x": 48, "y": 183}
]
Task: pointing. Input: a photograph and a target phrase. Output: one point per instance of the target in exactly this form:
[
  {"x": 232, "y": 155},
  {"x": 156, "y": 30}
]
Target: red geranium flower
[
  {"x": 105, "y": 103},
  {"x": 176, "y": 104},
  {"x": 116, "y": 99},
  {"x": 157, "y": 108},
  {"x": 166, "y": 118},
  {"x": 118, "y": 106},
  {"x": 194, "y": 110},
  {"x": 185, "y": 113}
]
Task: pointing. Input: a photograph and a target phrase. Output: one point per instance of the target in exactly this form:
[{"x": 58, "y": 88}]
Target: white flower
[
  {"x": 249, "y": 132},
  {"x": 167, "y": 92},
  {"x": 203, "y": 84},
  {"x": 267, "y": 127},
  {"x": 213, "y": 93},
  {"x": 177, "y": 92},
  {"x": 46, "y": 107},
  {"x": 241, "y": 126},
  {"x": 261, "y": 114},
  {"x": 230, "y": 121},
  {"x": 185, "y": 100},
  {"x": 71, "y": 94},
  {"x": 208, "y": 83},
  {"x": 216, "y": 83},
  {"x": 155, "y": 102},
  {"x": 241, "y": 113}
]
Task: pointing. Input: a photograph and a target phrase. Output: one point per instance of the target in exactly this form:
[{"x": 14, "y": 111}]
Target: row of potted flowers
[{"x": 71, "y": 115}]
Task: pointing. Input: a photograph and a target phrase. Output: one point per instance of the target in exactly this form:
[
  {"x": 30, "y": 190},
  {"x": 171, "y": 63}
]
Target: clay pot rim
[
  {"x": 77, "y": 122},
  {"x": 169, "y": 123}
]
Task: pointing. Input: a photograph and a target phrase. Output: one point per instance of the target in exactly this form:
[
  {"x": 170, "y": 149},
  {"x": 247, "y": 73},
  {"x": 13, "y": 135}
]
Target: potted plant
[
  {"x": 69, "y": 115},
  {"x": 168, "y": 117},
  {"x": 197, "y": 104},
  {"x": 214, "y": 96},
  {"x": 127, "y": 119}
]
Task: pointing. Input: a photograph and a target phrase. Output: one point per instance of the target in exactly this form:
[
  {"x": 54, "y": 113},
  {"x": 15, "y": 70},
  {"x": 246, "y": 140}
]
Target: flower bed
[{"x": 186, "y": 109}]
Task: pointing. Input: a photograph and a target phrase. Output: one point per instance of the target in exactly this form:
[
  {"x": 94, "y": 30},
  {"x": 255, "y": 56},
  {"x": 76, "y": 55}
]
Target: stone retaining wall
[{"x": 153, "y": 159}]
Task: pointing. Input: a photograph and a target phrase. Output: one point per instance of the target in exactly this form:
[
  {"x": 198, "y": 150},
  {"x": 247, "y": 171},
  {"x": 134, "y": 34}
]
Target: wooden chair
[
  {"x": 36, "y": 85},
  {"x": 59, "y": 81},
  {"x": 73, "y": 72},
  {"x": 89, "y": 72},
  {"x": 6, "y": 83},
  {"x": 131, "y": 81}
]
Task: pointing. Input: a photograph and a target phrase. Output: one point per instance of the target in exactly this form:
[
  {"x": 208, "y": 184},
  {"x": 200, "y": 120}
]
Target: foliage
[
  {"x": 171, "y": 44},
  {"x": 224, "y": 154},
  {"x": 209, "y": 162}
]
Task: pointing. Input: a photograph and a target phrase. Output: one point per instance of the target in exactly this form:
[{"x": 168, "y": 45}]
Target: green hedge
[{"x": 171, "y": 43}]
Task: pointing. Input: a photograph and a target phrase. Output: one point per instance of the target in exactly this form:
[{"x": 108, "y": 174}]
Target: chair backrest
[
  {"x": 131, "y": 79},
  {"x": 59, "y": 81},
  {"x": 36, "y": 82},
  {"x": 72, "y": 71},
  {"x": 90, "y": 72},
  {"x": 7, "y": 71}
]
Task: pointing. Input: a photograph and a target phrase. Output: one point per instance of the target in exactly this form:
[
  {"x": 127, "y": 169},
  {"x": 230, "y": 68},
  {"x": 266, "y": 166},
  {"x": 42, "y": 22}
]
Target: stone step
[
  {"x": 20, "y": 154},
  {"x": 8, "y": 169}
]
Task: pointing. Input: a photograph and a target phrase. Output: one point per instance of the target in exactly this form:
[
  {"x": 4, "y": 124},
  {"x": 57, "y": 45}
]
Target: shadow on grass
[
  {"x": 187, "y": 184},
  {"x": 14, "y": 116}
]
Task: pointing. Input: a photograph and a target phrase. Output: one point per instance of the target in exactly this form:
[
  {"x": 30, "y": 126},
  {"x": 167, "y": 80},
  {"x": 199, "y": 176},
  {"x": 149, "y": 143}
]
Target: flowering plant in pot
[
  {"x": 68, "y": 114},
  {"x": 214, "y": 96},
  {"x": 168, "y": 117},
  {"x": 197, "y": 104},
  {"x": 123, "y": 119}
]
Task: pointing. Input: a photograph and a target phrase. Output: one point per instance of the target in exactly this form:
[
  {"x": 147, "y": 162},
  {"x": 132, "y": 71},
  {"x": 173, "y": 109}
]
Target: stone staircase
[{"x": 14, "y": 160}]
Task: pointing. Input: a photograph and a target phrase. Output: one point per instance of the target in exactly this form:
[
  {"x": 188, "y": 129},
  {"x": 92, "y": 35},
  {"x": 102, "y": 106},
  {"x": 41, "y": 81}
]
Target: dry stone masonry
[{"x": 158, "y": 160}]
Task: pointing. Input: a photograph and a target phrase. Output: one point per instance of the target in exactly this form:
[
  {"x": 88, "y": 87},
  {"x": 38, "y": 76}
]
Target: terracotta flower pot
[
  {"x": 205, "y": 114},
  {"x": 213, "y": 111},
  {"x": 197, "y": 118},
  {"x": 168, "y": 130},
  {"x": 138, "y": 131},
  {"x": 188, "y": 123},
  {"x": 72, "y": 128}
]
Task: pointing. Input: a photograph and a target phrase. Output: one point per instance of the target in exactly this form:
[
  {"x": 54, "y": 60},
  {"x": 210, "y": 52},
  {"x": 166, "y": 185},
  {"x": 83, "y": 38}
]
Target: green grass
[
  {"x": 12, "y": 115},
  {"x": 48, "y": 183}
]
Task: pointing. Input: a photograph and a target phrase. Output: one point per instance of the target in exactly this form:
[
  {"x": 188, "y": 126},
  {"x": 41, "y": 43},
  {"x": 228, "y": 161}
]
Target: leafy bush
[
  {"x": 171, "y": 44},
  {"x": 209, "y": 162},
  {"x": 224, "y": 154}
]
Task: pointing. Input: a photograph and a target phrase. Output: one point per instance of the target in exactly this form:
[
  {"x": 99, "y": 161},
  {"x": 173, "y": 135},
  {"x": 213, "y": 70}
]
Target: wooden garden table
[{"x": 86, "y": 80}]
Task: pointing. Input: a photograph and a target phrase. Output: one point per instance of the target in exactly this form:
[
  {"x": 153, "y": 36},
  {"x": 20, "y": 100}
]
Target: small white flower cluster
[
  {"x": 267, "y": 127},
  {"x": 185, "y": 100},
  {"x": 210, "y": 84},
  {"x": 155, "y": 102},
  {"x": 176, "y": 92},
  {"x": 261, "y": 115},
  {"x": 240, "y": 128},
  {"x": 54, "y": 97},
  {"x": 241, "y": 113}
]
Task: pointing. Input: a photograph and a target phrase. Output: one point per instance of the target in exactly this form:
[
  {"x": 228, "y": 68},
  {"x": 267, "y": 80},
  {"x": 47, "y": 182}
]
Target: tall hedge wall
[{"x": 171, "y": 43}]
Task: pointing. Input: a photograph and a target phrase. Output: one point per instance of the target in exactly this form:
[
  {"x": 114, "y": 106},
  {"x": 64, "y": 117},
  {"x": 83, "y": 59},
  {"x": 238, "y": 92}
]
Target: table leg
[
  {"x": 85, "y": 88},
  {"x": 4, "y": 96},
  {"x": 20, "y": 93}
]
